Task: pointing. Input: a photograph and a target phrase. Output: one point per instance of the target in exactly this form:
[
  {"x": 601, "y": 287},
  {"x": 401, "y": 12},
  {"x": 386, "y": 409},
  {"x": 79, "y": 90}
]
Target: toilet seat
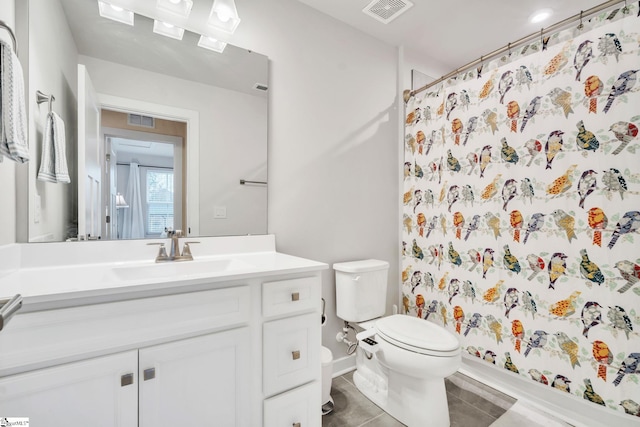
[{"x": 417, "y": 335}]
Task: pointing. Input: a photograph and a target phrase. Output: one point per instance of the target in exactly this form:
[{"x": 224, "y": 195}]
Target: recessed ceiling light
[
  {"x": 116, "y": 13},
  {"x": 167, "y": 29},
  {"x": 177, "y": 7},
  {"x": 540, "y": 15},
  {"x": 224, "y": 16},
  {"x": 212, "y": 44}
]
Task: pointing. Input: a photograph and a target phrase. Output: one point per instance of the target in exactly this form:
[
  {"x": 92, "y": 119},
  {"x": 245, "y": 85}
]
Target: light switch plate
[{"x": 220, "y": 212}]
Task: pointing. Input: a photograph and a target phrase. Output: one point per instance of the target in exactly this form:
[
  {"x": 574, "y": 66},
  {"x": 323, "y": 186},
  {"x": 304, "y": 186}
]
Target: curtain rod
[{"x": 583, "y": 14}]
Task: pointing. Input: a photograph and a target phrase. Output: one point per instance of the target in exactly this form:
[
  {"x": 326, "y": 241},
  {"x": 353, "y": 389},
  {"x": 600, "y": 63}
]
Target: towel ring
[
  {"x": 41, "y": 97},
  {"x": 11, "y": 33}
]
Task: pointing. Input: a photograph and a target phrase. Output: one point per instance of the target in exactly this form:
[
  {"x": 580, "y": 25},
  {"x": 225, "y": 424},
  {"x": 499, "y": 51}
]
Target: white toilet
[{"x": 401, "y": 360}]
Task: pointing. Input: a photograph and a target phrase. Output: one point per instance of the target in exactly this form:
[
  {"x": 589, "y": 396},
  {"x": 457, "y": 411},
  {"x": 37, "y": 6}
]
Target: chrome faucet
[{"x": 174, "y": 251}]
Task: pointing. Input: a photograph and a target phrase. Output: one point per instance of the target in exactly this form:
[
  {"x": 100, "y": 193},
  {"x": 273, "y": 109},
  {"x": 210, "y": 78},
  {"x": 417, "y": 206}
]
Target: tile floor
[{"x": 471, "y": 404}]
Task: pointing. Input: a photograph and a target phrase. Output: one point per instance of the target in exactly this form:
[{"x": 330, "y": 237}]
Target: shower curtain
[
  {"x": 521, "y": 211},
  {"x": 133, "y": 223}
]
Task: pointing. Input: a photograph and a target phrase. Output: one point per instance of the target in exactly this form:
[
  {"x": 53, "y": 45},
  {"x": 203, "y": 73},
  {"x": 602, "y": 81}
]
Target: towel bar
[
  {"x": 244, "y": 181},
  {"x": 13, "y": 36},
  {"x": 42, "y": 97},
  {"x": 9, "y": 308}
]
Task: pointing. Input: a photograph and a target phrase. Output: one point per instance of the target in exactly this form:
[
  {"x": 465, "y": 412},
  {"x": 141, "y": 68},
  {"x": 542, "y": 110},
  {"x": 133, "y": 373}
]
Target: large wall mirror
[{"x": 160, "y": 133}]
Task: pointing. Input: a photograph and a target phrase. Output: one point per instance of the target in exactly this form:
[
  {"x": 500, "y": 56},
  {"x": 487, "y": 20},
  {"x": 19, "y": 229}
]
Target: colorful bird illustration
[
  {"x": 451, "y": 103},
  {"x": 433, "y": 253},
  {"x": 518, "y": 332},
  {"x": 416, "y": 250},
  {"x": 624, "y": 132},
  {"x": 536, "y": 264},
  {"x": 491, "y": 189},
  {"x": 452, "y": 163},
  {"x": 510, "y": 261},
  {"x": 629, "y": 223},
  {"x": 535, "y": 224},
  {"x": 591, "y": 316},
  {"x": 513, "y": 112},
  {"x": 421, "y": 220},
  {"x": 561, "y": 99},
  {"x": 538, "y": 376},
  {"x": 532, "y": 109},
  {"x": 523, "y": 77},
  {"x": 419, "y": 305},
  {"x": 473, "y": 351},
  {"x": 453, "y": 195},
  {"x": 592, "y": 89},
  {"x": 510, "y": 300},
  {"x": 472, "y": 158},
  {"x": 620, "y": 320},
  {"x": 487, "y": 261},
  {"x": 432, "y": 167},
  {"x": 418, "y": 173},
  {"x": 433, "y": 306},
  {"x": 491, "y": 119},
  {"x": 563, "y": 183},
  {"x": 629, "y": 272},
  {"x": 586, "y": 140},
  {"x": 509, "y": 191},
  {"x": 487, "y": 87},
  {"x": 529, "y": 304},
  {"x": 432, "y": 225},
  {"x": 406, "y": 273},
  {"x": 516, "y": 221},
  {"x": 464, "y": 100},
  {"x": 473, "y": 225},
  {"x": 561, "y": 383},
  {"x": 569, "y": 347},
  {"x": 624, "y": 83},
  {"x": 583, "y": 55},
  {"x": 557, "y": 267},
  {"x": 407, "y": 170},
  {"x": 586, "y": 185},
  {"x": 537, "y": 340},
  {"x": 408, "y": 196},
  {"x": 505, "y": 83},
  {"x": 493, "y": 293},
  {"x": 406, "y": 303},
  {"x": 557, "y": 62},
  {"x": 407, "y": 221},
  {"x": 416, "y": 280},
  {"x": 443, "y": 313},
  {"x": 467, "y": 195},
  {"x": 485, "y": 159},
  {"x": 589, "y": 269},
  {"x": 443, "y": 224},
  {"x": 631, "y": 407},
  {"x": 630, "y": 365},
  {"x": 453, "y": 289},
  {"x": 508, "y": 153},
  {"x": 410, "y": 142},
  {"x": 420, "y": 138},
  {"x": 472, "y": 124},
  {"x": 609, "y": 45},
  {"x": 495, "y": 326},
  {"x": 489, "y": 356},
  {"x": 590, "y": 395},
  {"x": 509, "y": 365},
  {"x": 417, "y": 199},
  {"x": 428, "y": 197},
  {"x": 603, "y": 357},
  {"x": 475, "y": 258},
  {"x": 428, "y": 280},
  {"x": 458, "y": 223},
  {"x": 458, "y": 316},
  {"x": 454, "y": 256},
  {"x": 553, "y": 146},
  {"x": 468, "y": 290},
  {"x": 565, "y": 307},
  {"x": 534, "y": 147},
  {"x": 432, "y": 139},
  {"x": 613, "y": 181},
  {"x": 565, "y": 222},
  {"x": 526, "y": 189},
  {"x": 598, "y": 221},
  {"x": 456, "y": 130},
  {"x": 474, "y": 322},
  {"x": 443, "y": 281},
  {"x": 493, "y": 222}
]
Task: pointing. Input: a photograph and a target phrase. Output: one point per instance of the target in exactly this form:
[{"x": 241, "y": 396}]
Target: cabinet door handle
[
  {"x": 295, "y": 296},
  {"x": 126, "y": 379},
  {"x": 149, "y": 374},
  {"x": 297, "y": 425},
  {"x": 295, "y": 354}
]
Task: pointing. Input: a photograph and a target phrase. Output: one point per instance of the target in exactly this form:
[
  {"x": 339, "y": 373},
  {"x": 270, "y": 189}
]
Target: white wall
[
  {"x": 7, "y": 167},
  {"x": 235, "y": 118}
]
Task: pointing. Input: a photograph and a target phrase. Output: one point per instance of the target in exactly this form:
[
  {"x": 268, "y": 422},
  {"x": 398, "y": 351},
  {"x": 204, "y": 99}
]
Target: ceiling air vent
[
  {"x": 140, "y": 120},
  {"x": 386, "y": 11},
  {"x": 260, "y": 86}
]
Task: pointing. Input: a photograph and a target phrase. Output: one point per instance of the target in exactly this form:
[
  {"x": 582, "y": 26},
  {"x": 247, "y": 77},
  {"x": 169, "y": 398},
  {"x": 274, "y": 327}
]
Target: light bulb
[
  {"x": 224, "y": 14},
  {"x": 116, "y": 8},
  {"x": 175, "y": 1},
  {"x": 166, "y": 24}
]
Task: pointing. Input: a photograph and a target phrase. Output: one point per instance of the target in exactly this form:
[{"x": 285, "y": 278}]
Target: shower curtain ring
[
  {"x": 625, "y": 9},
  {"x": 581, "y": 25}
]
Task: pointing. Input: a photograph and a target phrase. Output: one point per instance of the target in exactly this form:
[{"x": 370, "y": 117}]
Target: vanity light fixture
[
  {"x": 121, "y": 202},
  {"x": 177, "y": 7},
  {"x": 540, "y": 15},
  {"x": 116, "y": 13},
  {"x": 167, "y": 29},
  {"x": 224, "y": 16},
  {"x": 212, "y": 44}
]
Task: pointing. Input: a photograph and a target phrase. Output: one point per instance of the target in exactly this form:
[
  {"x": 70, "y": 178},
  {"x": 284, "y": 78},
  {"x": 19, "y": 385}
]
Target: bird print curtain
[{"x": 522, "y": 211}]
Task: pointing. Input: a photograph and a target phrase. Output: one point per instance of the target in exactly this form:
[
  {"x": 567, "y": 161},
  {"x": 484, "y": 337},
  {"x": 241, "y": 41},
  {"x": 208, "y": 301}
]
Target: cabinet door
[
  {"x": 298, "y": 407},
  {"x": 202, "y": 381},
  {"x": 96, "y": 392}
]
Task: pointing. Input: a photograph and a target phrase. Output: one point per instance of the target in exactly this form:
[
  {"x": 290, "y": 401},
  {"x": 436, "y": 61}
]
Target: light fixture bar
[
  {"x": 168, "y": 30},
  {"x": 115, "y": 13},
  {"x": 212, "y": 44},
  {"x": 224, "y": 16}
]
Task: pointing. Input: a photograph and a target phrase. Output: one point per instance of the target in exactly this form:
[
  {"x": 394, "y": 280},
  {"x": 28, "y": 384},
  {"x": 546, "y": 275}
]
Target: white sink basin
[{"x": 179, "y": 269}]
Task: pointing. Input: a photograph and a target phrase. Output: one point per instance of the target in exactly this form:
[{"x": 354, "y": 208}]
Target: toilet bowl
[{"x": 401, "y": 361}]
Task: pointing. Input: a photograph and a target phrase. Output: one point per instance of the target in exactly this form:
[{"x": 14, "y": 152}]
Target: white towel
[
  {"x": 53, "y": 164},
  {"x": 13, "y": 114}
]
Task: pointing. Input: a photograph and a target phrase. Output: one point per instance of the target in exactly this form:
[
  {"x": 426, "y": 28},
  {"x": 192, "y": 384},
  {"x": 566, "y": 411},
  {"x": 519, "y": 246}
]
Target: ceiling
[{"x": 453, "y": 32}]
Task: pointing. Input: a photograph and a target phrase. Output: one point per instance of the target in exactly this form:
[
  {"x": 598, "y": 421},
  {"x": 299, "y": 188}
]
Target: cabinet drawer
[
  {"x": 297, "y": 407},
  {"x": 291, "y": 349},
  {"x": 290, "y": 296}
]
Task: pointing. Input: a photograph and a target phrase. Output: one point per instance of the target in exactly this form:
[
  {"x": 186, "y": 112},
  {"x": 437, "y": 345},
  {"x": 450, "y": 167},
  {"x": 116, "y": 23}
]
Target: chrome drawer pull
[
  {"x": 295, "y": 354},
  {"x": 149, "y": 374},
  {"x": 295, "y": 296},
  {"x": 126, "y": 379},
  {"x": 9, "y": 308},
  {"x": 297, "y": 425}
]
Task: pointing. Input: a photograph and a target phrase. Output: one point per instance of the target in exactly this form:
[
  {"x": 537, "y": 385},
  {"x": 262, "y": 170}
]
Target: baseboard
[
  {"x": 566, "y": 408},
  {"x": 344, "y": 365}
]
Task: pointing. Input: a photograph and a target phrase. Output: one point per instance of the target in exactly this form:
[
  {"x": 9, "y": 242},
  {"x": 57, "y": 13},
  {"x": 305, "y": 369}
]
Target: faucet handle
[
  {"x": 162, "y": 252},
  {"x": 186, "y": 250}
]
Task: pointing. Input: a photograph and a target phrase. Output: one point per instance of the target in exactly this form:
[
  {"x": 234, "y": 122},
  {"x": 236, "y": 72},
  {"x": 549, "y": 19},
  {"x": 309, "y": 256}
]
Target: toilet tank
[{"x": 361, "y": 289}]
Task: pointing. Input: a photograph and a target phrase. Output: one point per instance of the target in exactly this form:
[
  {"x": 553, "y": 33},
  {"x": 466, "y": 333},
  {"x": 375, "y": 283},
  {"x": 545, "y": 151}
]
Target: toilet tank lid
[{"x": 362, "y": 266}]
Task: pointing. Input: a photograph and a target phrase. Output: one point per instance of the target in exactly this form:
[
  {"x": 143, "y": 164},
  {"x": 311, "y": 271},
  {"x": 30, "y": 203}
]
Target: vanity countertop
[{"x": 49, "y": 284}]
